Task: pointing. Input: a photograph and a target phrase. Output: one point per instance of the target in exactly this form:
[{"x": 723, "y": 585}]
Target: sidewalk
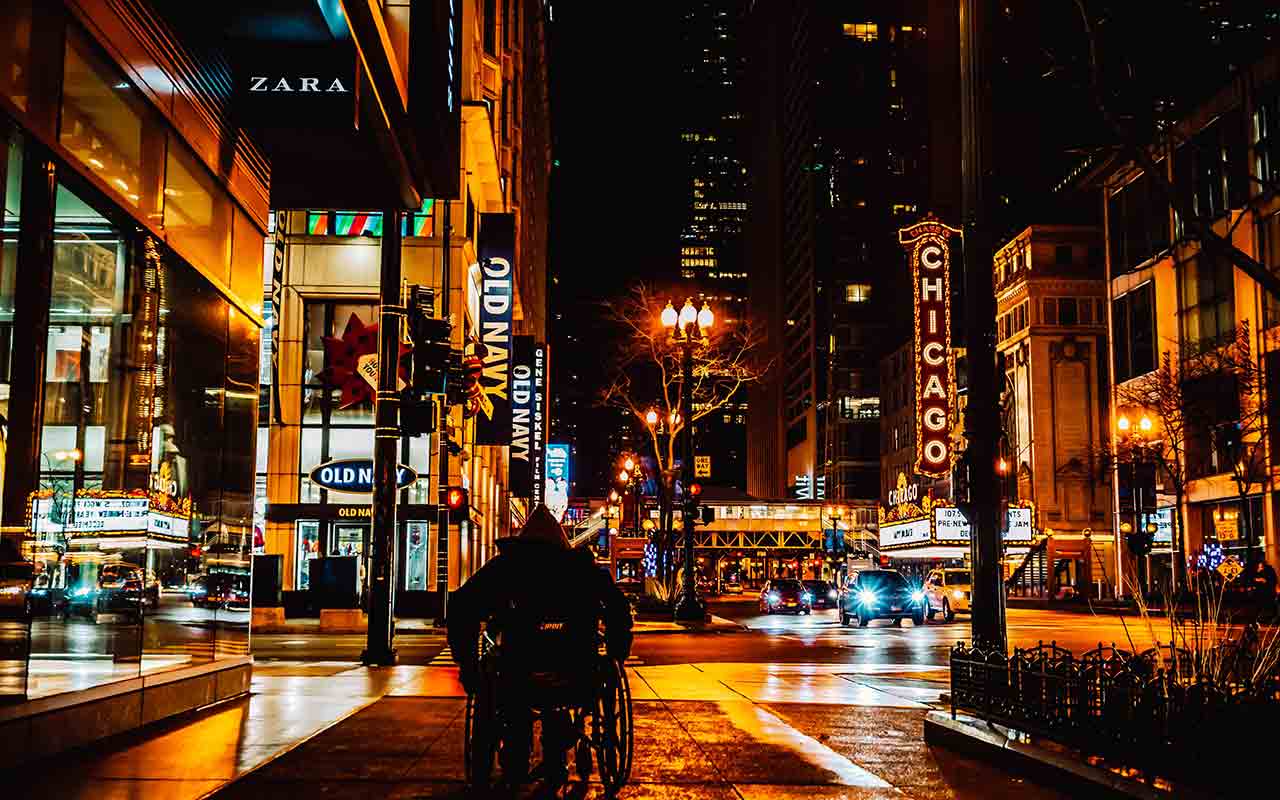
[{"x": 705, "y": 731}]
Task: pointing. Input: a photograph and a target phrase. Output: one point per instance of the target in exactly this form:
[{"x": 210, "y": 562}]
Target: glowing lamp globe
[
  {"x": 669, "y": 316},
  {"x": 688, "y": 314},
  {"x": 705, "y": 318}
]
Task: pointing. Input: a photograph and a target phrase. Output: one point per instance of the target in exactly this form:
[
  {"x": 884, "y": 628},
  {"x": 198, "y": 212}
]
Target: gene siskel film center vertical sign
[
  {"x": 527, "y": 454},
  {"x": 928, "y": 245},
  {"x": 497, "y": 244}
]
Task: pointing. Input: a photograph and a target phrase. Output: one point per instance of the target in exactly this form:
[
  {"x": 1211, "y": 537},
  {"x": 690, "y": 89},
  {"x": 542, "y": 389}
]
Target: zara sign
[{"x": 355, "y": 476}]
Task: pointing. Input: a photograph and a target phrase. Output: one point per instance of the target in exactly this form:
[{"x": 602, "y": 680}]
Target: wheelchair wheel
[
  {"x": 612, "y": 732},
  {"x": 480, "y": 740}
]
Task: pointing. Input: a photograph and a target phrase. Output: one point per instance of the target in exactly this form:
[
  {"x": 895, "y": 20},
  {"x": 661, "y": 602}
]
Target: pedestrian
[{"x": 545, "y": 602}]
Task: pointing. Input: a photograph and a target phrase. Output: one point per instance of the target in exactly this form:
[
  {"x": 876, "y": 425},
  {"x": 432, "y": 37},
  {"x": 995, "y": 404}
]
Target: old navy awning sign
[
  {"x": 355, "y": 476},
  {"x": 928, "y": 245}
]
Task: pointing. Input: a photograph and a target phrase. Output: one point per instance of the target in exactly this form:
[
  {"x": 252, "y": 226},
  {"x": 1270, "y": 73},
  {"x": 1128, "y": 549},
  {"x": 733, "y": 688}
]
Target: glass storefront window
[
  {"x": 197, "y": 213},
  {"x": 107, "y": 126},
  {"x": 15, "y": 51},
  {"x": 417, "y": 537},
  {"x": 308, "y": 547}
]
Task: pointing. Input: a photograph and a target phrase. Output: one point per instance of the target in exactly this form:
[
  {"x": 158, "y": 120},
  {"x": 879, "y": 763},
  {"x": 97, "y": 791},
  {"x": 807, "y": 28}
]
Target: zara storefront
[{"x": 133, "y": 221}]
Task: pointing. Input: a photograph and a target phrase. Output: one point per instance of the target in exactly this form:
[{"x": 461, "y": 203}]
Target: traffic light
[
  {"x": 417, "y": 414},
  {"x": 1139, "y": 541},
  {"x": 431, "y": 343},
  {"x": 455, "y": 498}
]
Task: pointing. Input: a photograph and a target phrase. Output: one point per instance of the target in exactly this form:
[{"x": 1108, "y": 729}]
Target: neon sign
[{"x": 928, "y": 247}]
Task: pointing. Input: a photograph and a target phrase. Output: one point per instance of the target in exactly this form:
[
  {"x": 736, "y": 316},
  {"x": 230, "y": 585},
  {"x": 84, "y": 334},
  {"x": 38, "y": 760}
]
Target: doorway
[{"x": 348, "y": 539}]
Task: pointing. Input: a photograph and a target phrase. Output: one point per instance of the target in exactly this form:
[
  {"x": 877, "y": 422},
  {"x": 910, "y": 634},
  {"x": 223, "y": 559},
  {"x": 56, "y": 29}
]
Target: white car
[{"x": 948, "y": 591}]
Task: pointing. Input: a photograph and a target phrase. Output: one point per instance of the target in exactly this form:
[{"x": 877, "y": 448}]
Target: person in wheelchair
[{"x": 542, "y": 603}]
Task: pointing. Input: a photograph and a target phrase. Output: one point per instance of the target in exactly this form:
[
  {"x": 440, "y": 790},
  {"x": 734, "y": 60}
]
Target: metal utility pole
[
  {"x": 442, "y": 447},
  {"x": 386, "y": 436},
  {"x": 982, "y": 420}
]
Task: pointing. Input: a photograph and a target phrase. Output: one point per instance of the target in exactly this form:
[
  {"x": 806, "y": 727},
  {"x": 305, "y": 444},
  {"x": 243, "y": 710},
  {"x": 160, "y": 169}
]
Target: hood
[{"x": 539, "y": 529}]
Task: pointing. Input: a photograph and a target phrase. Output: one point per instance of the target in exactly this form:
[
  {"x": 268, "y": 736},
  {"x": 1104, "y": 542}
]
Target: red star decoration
[{"x": 342, "y": 355}]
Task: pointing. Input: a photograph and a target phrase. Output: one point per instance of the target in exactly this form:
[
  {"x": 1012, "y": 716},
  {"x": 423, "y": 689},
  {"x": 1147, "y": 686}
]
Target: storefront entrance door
[{"x": 348, "y": 540}]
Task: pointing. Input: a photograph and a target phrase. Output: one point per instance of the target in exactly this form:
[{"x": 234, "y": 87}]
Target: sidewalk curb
[
  {"x": 286, "y": 750},
  {"x": 996, "y": 743}
]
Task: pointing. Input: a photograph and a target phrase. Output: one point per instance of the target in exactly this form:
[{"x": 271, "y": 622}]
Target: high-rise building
[
  {"x": 711, "y": 259},
  {"x": 841, "y": 128}
]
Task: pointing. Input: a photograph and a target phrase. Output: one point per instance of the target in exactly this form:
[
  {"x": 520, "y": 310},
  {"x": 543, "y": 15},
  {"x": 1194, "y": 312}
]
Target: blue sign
[
  {"x": 559, "y": 477},
  {"x": 355, "y": 476}
]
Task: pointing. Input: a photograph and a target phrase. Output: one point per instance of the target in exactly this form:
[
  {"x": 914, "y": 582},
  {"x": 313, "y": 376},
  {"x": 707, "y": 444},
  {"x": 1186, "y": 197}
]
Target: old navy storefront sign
[
  {"x": 928, "y": 245},
  {"x": 497, "y": 244},
  {"x": 355, "y": 476}
]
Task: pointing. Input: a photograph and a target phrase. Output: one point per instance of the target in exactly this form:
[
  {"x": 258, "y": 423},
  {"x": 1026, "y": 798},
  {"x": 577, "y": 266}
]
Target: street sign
[
  {"x": 702, "y": 466},
  {"x": 1230, "y": 568}
]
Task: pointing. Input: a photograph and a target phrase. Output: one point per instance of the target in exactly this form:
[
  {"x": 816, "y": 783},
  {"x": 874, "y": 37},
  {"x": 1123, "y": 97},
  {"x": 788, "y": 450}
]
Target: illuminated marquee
[{"x": 928, "y": 247}]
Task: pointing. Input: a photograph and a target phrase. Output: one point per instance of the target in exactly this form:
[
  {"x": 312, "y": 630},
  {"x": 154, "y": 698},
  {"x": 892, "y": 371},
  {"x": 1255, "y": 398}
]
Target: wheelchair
[{"x": 599, "y": 715}]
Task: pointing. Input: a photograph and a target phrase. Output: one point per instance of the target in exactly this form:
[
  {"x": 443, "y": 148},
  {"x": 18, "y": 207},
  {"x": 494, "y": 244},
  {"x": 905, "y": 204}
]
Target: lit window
[
  {"x": 866, "y": 31},
  {"x": 857, "y": 292}
]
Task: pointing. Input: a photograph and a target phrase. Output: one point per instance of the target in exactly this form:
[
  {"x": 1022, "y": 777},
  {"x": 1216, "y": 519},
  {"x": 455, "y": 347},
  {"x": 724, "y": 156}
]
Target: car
[
  {"x": 731, "y": 587},
  {"x": 15, "y": 589},
  {"x": 119, "y": 588},
  {"x": 948, "y": 591},
  {"x": 785, "y": 594},
  {"x": 881, "y": 594},
  {"x": 823, "y": 593},
  {"x": 221, "y": 590}
]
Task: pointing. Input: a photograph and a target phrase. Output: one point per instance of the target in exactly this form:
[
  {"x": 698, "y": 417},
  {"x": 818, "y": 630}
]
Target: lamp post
[
  {"x": 1136, "y": 438},
  {"x": 835, "y": 513},
  {"x": 688, "y": 329}
]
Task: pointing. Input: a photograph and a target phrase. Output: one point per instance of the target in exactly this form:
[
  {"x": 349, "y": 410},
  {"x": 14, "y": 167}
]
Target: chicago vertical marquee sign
[{"x": 928, "y": 245}]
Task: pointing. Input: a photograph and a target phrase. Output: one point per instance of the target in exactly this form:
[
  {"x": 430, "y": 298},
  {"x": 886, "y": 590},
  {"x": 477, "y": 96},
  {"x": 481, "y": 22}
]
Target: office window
[
  {"x": 1208, "y": 172},
  {"x": 1049, "y": 311},
  {"x": 857, "y": 292},
  {"x": 1067, "y": 311},
  {"x": 1137, "y": 224},
  {"x": 490, "y": 30},
  {"x": 1086, "y": 311},
  {"x": 866, "y": 31},
  {"x": 1134, "y": 332},
  {"x": 1206, "y": 290},
  {"x": 1266, "y": 130},
  {"x": 1269, "y": 251}
]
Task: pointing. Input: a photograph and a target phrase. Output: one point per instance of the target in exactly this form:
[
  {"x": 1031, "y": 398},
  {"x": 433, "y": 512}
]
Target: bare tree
[{"x": 644, "y": 378}]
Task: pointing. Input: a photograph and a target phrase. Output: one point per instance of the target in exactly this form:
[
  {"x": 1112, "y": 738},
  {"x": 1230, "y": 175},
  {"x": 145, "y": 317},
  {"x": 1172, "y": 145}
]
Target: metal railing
[{"x": 1160, "y": 711}]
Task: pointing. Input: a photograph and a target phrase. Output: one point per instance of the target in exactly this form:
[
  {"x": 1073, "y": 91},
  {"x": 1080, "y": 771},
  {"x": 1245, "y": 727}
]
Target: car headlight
[
  {"x": 917, "y": 596},
  {"x": 82, "y": 591},
  {"x": 772, "y": 597},
  {"x": 832, "y": 594},
  {"x": 957, "y": 594},
  {"x": 867, "y": 597},
  {"x": 11, "y": 590},
  {"x": 806, "y": 597}
]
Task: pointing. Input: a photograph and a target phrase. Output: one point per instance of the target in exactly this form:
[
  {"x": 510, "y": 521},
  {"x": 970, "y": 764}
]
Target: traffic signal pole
[
  {"x": 442, "y": 427},
  {"x": 386, "y": 438},
  {"x": 982, "y": 420}
]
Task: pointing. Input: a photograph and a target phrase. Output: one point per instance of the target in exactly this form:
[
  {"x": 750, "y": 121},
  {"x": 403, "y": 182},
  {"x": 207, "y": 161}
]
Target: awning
[
  {"x": 478, "y": 134},
  {"x": 936, "y": 552}
]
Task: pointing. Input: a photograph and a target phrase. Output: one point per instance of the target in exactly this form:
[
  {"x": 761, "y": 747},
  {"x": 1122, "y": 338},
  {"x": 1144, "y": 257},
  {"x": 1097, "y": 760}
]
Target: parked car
[
  {"x": 118, "y": 589},
  {"x": 823, "y": 593},
  {"x": 881, "y": 594},
  {"x": 785, "y": 594},
  {"x": 15, "y": 589},
  {"x": 948, "y": 591}
]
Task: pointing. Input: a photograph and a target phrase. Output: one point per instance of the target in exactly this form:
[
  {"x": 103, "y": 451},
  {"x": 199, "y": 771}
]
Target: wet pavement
[{"x": 793, "y": 707}]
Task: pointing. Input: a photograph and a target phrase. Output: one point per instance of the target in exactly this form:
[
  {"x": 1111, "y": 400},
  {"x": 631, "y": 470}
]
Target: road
[{"x": 818, "y": 639}]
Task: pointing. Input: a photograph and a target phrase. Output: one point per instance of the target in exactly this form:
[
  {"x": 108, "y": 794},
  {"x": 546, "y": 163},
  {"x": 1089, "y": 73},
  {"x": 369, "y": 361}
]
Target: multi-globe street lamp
[
  {"x": 689, "y": 328},
  {"x": 1136, "y": 438}
]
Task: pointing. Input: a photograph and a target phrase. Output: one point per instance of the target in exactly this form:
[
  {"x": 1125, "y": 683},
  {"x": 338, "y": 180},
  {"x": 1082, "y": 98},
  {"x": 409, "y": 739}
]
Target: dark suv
[
  {"x": 785, "y": 594},
  {"x": 119, "y": 589},
  {"x": 881, "y": 594}
]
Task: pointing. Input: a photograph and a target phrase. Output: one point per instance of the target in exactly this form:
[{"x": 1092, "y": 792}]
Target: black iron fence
[{"x": 1207, "y": 718}]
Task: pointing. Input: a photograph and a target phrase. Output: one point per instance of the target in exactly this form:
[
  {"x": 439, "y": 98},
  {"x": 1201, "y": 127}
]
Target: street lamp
[
  {"x": 1136, "y": 436},
  {"x": 688, "y": 328},
  {"x": 651, "y": 418}
]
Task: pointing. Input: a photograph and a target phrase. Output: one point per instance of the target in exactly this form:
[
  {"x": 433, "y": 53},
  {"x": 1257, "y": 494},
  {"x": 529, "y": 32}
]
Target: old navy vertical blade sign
[{"x": 497, "y": 270}]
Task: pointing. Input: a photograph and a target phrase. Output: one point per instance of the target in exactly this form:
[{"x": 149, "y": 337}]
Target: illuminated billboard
[{"x": 559, "y": 468}]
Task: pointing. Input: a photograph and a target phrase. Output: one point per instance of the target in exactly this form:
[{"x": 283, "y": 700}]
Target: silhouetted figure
[{"x": 543, "y": 603}]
